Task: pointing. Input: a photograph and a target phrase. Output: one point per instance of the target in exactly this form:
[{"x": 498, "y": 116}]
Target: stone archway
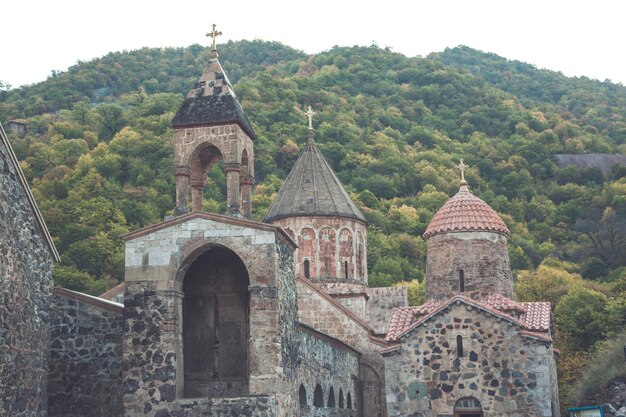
[
  {"x": 215, "y": 325},
  {"x": 201, "y": 161}
]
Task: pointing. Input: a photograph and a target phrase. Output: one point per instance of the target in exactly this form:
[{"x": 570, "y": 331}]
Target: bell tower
[{"x": 211, "y": 126}]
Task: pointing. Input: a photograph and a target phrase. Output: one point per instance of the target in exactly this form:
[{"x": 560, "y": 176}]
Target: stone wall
[
  {"x": 331, "y": 365},
  {"x": 483, "y": 258},
  {"x": 157, "y": 262},
  {"x": 321, "y": 312},
  {"x": 25, "y": 285},
  {"x": 509, "y": 373},
  {"x": 381, "y": 303},
  {"x": 328, "y": 243},
  {"x": 85, "y": 376}
]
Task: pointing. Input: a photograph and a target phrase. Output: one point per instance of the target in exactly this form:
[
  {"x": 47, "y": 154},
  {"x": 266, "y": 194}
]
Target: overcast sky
[{"x": 574, "y": 37}]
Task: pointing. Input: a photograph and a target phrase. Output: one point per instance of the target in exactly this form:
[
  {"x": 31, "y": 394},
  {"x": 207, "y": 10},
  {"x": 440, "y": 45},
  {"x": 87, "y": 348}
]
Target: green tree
[{"x": 581, "y": 318}]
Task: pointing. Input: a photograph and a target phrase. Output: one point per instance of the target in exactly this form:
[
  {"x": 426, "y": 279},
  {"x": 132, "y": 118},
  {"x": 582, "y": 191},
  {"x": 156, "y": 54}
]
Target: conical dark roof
[
  {"x": 312, "y": 189},
  {"x": 212, "y": 101}
]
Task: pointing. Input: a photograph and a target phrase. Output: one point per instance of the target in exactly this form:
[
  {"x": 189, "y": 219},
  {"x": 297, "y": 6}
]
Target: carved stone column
[
  {"x": 197, "y": 193},
  {"x": 233, "y": 199},
  {"x": 246, "y": 182},
  {"x": 182, "y": 189}
]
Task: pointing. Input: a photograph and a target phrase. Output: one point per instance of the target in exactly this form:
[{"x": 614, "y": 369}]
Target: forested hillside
[{"x": 99, "y": 158}]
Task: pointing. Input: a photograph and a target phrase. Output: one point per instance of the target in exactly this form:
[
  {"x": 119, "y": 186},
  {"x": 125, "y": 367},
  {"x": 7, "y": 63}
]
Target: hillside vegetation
[{"x": 99, "y": 158}]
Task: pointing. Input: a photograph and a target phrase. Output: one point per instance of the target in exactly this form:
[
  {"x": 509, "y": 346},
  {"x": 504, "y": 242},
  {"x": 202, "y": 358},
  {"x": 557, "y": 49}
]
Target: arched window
[
  {"x": 331, "y": 398},
  {"x": 307, "y": 266},
  {"x": 349, "y": 402},
  {"x": 302, "y": 395},
  {"x": 318, "y": 397},
  {"x": 340, "y": 398},
  {"x": 468, "y": 406},
  {"x": 459, "y": 346},
  {"x": 461, "y": 281},
  {"x": 215, "y": 324},
  {"x": 345, "y": 269}
]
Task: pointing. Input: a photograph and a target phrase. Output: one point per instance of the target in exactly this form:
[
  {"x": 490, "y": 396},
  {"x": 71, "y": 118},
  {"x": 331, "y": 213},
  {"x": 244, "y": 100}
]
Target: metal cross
[
  {"x": 310, "y": 113},
  {"x": 461, "y": 166},
  {"x": 213, "y": 34}
]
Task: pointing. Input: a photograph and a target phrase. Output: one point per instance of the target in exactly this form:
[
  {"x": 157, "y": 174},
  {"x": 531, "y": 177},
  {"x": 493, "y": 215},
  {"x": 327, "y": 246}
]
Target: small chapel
[{"x": 220, "y": 315}]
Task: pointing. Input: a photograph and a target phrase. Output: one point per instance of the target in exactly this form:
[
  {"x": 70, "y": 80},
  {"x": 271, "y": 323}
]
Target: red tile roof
[
  {"x": 534, "y": 321},
  {"x": 537, "y": 316},
  {"x": 465, "y": 213},
  {"x": 500, "y": 302},
  {"x": 403, "y": 317}
]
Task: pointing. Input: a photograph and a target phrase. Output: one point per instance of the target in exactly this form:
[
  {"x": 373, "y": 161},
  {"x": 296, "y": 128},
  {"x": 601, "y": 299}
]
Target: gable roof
[
  {"x": 89, "y": 299},
  {"x": 220, "y": 218},
  {"x": 29, "y": 195},
  {"x": 536, "y": 323},
  {"x": 344, "y": 310},
  {"x": 212, "y": 101},
  {"x": 312, "y": 189}
]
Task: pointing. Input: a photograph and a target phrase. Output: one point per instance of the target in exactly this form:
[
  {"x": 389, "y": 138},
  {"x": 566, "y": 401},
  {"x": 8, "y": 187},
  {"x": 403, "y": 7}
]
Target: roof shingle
[
  {"x": 312, "y": 189},
  {"x": 535, "y": 317},
  {"x": 465, "y": 212}
]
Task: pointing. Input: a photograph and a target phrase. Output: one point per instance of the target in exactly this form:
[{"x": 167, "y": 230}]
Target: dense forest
[{"x": 98, "y": 155}]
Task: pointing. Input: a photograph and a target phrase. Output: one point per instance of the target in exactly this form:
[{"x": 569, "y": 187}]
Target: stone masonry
[
  {"x": 482, "y": 258},
  {"x": 158, "y": 259},
  {"x": 510, "y": 373},
  {"x": 85, "y": 356},
  {"x": 329, "y": 367},
  {"x": 27, "y": 254},
  {"x": 333, "y": 252},
  {"x": 323, "y": 313}
]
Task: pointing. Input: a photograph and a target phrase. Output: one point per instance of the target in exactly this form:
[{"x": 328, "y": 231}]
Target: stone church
[{"x": 220, "y": 315}]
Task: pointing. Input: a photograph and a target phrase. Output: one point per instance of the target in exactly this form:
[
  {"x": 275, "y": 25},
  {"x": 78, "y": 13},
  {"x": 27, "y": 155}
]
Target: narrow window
[
  {"x": 459, "y": 346},
  {"x": 302, "y": 396},
  {"x": 349, "y": 401},
  {"x": 345, "y": 269},
  {"x": 318, "y": 397},
  {"x": 340, "y": 398},
  {"x": 307, "y": 273},
  {"x": 331, "y": 398},
  {"x": 461, "y": 281}
]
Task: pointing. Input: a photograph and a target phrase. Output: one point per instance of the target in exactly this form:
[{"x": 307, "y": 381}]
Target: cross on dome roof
[
  {"x": 310, "y": 113},
  {"x": 213, "y": 34},
  {"x": 461, "y": 167}
]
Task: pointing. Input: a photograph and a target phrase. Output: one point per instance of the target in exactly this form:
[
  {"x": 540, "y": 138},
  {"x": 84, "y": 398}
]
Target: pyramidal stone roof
[
  {"x": 312, "y": 189},
  {"x": 465, "y": 213},
  {"x": 212, "y": 101}
]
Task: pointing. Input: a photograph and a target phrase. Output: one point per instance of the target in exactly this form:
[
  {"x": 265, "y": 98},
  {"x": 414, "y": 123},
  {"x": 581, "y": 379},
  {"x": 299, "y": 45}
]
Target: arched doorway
[
  {"x": 215, "y": 325},
  {"x": 468, "y": 407}
]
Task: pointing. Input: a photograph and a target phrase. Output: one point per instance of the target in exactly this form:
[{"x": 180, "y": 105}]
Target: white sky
[{"x": 574, "y": 37}]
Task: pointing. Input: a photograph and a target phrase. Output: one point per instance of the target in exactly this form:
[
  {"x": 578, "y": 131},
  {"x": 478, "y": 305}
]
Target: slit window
[
  {"x": 318, "y": 397},
  {"x": 345, "y": 269},
  {"x": 459, "y": 346},
  {"x": 461, "y": 281},
  {"x": 307, "y": 268},
  {"x": 302, "y": 396}
]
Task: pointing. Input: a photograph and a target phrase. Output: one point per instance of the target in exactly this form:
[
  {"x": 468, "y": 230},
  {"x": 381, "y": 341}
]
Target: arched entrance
[
  {"x": 468, "y": 407},
  {"x": 215, "y": 325}
]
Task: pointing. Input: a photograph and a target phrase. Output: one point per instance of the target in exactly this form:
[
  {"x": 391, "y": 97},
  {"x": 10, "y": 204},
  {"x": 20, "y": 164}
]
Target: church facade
[{"x": 225, "y": 316}]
